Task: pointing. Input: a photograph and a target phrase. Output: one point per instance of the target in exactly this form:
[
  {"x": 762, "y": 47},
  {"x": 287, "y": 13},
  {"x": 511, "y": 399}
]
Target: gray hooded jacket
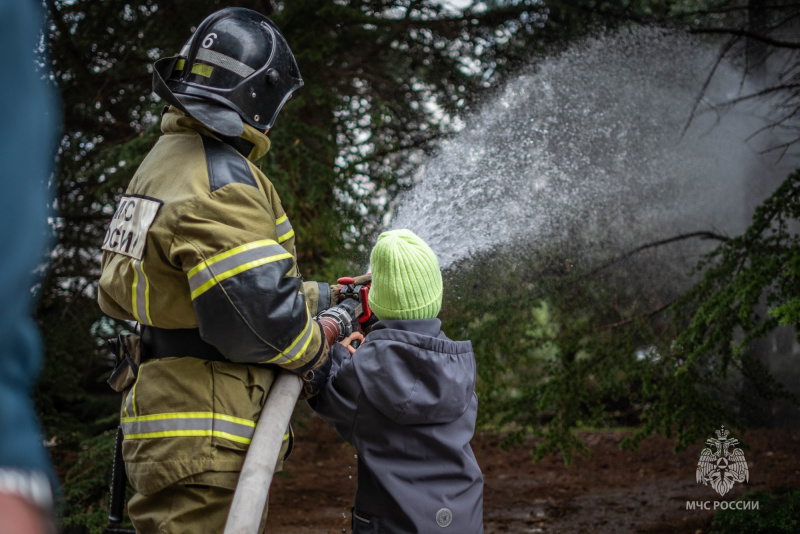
[{"x": 406, "y": 399}]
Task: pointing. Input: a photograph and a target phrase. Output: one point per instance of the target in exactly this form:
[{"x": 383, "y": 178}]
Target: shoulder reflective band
[
  {"x": 188, "y": 424},
  {"x": 140, "y": 294},
  {"x": 237, "y": 260},
  {"x": 226, "y": 62},
  {"x": 298, "y": 346},
  {"x": 285, "y": 230}
]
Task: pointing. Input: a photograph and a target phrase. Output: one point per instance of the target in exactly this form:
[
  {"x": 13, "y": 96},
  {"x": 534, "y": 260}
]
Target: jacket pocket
[
  {"x": 239, "y": 393},
  {"x": 364, "y": 523}
]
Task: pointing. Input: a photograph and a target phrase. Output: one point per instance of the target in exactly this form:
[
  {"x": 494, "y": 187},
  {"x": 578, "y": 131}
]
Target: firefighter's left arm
[{"x": 246, "y": 292}]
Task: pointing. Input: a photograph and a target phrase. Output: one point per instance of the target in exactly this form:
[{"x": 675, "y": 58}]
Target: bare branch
[
  {"x": 739, "y": 32},
  {"x": 720, "y": 57},
  {"x": 654, "y": 244},
  {"x": 782, "y": 147},
  {"x": 765, "y": 92},
  {"x": 733, "y": 9},
  {"x": 780, "y": 22},
  {"x": 772, "y": 125},
  {"x": 634, "y": 318}
]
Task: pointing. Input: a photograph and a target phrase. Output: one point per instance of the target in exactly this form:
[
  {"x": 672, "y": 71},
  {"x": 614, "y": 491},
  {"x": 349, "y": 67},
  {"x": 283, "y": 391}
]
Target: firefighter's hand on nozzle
[
  {"x": 337, "y": 324},
  {"x": 352, "y": 342},
  {"x": 335, "y": 294}
]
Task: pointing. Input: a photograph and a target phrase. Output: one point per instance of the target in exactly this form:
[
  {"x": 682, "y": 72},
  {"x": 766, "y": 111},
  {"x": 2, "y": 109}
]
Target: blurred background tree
[{"x": 386, "y": 81}]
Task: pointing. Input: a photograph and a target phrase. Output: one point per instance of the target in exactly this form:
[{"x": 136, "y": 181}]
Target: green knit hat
[{"x": 406, "y": 281}]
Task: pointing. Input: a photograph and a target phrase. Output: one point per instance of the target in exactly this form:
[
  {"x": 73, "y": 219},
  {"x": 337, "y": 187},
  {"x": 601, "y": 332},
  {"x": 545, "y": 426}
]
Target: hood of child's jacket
[{"x": 413, "y": 374}]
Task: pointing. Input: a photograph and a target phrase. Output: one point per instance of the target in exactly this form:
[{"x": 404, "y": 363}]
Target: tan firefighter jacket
[{"x": 200, "y": 240}]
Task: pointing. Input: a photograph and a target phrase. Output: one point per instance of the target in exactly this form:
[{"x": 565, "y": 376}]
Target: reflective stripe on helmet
[
  {"x": 226, "y": 62},
  {"x": 188, "y": 424},
  {"x": 227, "y": 264},
  {"x": 202, "y": 70}
]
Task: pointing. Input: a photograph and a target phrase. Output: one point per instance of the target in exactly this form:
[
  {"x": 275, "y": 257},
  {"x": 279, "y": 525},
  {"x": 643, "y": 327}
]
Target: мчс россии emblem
[{"x": 722, "y": 468}]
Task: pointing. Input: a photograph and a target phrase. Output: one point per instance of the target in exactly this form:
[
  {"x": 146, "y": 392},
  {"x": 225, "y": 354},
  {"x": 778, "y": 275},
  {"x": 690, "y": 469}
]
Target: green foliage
[
  {"x": 384, "y": 81},
  {"x": 550, "y": 358},
  {"x": 340, "y": 147},
  {"x": 762, "y": 263},
  {"x": 86, "y": 488},
  {"x": 723, "y": 315},
  {"x": 561, "y": 347},
  {"x": 778, "y": 513}
]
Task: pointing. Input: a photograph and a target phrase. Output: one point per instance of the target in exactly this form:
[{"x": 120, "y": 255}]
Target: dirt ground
[{"x": 609, "y": 491}]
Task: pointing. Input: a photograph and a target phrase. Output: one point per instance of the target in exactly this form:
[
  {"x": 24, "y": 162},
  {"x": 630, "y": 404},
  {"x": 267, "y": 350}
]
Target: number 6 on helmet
[{"x": 237, "y": 66}]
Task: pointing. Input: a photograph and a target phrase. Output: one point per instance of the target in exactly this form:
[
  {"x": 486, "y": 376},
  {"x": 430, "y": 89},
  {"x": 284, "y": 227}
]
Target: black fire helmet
[{"x": 236, "y": 66}]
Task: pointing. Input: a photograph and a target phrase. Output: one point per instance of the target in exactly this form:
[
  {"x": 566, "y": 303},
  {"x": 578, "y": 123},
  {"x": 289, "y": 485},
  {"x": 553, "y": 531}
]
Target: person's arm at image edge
[{"x": 27, "y": 139}]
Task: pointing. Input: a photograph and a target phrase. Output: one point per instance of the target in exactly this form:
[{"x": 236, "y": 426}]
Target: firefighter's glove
[{"x": 337, "y": 324}]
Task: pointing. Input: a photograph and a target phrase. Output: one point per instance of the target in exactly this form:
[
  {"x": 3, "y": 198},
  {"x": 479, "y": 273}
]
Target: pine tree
[{"x": 384, "y": 81}]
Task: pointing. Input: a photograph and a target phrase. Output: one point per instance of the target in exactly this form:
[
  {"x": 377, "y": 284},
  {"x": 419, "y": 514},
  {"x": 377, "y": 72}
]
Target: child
[{"x": 406, "y": 400}]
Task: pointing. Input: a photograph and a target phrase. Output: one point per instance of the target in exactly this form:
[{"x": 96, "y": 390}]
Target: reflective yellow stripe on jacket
[
  {"x": 232, "y": 262},
  {"x": 298, "y": 346},
  {"x": 140, "y": 293},
  {"x": 188, "y": 424},
  {"x": 227, "y": 264},
  {"x": 284, "y": 228}
]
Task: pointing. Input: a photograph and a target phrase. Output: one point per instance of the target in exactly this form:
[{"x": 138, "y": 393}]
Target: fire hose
[
  {"x": 250, "y": 497},
  {"x": 252, "y": 490}
]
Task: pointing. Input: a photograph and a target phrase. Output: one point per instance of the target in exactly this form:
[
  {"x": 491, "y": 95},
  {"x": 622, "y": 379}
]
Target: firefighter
[{"x": 201, "y": 254}]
